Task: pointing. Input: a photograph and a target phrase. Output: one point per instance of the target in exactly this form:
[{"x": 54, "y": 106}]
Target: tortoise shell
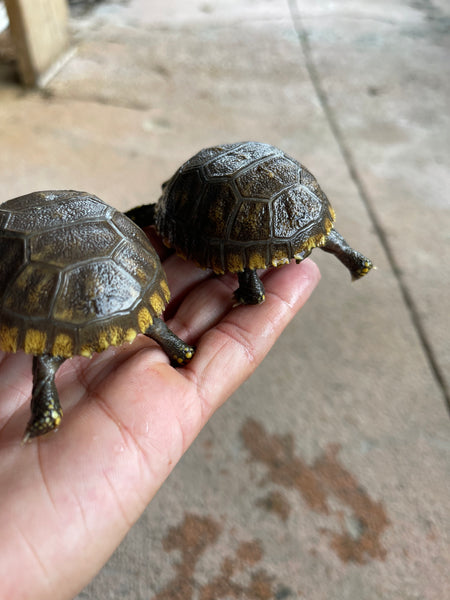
[
  {"x": 76, "y": 275},
  {"x": 243, "y": 206}
]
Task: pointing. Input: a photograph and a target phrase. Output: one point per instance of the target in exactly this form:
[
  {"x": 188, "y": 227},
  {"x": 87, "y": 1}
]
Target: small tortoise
[
  {"x": 246, "y": 206},
  {"x": 76, "y": 277}
]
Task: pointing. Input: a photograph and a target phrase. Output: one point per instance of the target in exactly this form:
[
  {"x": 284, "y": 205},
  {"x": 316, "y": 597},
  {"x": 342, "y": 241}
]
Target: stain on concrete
[
  {"x": 361, "y": 519},
  {"x": 192, "y": 538},
  {"x": 260, "y": 586}
]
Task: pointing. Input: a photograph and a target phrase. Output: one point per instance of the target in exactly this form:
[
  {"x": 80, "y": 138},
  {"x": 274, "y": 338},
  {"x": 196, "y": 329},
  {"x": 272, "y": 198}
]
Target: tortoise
[
  {"x": 246, "y": 206},
  {"x": 76, "y": 277}
]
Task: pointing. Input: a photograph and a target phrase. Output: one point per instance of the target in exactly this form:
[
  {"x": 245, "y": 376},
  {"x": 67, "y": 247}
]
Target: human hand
[{"x": 67, "y": 500}]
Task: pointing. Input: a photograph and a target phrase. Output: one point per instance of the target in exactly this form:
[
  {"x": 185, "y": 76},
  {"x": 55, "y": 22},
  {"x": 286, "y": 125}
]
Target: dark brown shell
[
  {"x": 76, "y": 275},
  {"x": 245, "y": 205}
]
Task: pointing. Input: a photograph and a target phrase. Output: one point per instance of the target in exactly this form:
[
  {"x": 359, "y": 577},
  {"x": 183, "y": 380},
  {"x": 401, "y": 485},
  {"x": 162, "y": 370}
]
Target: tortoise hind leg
[
  {"x": 251, "y": 289},
  {"x": 46, "y": 410},
  {"x": 178, "y": 351},
  {"x": 358, "y": 264}
]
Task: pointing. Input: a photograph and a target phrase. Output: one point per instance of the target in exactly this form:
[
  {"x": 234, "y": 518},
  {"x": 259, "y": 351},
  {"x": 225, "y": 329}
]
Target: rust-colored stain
[
  {"x": 359, "y": 539},
  {"x": 192, "y": 538}
]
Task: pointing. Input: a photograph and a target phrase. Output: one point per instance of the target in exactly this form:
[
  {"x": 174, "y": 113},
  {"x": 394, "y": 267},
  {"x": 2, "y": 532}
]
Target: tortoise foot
[
  {"x": 48, "y": 421},
  {"x": 250, "y": 290},
  {"x": 46, "y": 412},
  {"x": 178, "y": 351},
  {"x": 366, "y": 265},
  {"x": 183, "y": 355},
  {"x": 243, "y": 297}
]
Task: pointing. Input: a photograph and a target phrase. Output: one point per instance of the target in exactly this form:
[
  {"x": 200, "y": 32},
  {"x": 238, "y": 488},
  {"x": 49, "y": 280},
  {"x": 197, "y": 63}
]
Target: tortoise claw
[
  {"x": 45, "y": 424},
  {"x": 183, "y": 357}
]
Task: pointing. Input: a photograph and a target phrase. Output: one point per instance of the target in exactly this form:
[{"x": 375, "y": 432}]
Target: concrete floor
[{"x": 325, "y": 477}]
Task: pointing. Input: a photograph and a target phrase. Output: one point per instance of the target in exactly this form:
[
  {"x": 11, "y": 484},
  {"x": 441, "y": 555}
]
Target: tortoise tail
[{"x": 143, "y": 216}]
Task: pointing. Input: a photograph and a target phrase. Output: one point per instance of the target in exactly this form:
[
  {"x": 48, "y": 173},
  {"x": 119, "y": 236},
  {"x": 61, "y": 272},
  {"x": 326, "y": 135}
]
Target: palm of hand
[{"x": 68, "y": 499}]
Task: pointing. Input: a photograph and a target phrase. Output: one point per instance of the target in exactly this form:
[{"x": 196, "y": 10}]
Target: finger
[
  {"x": 212, "y": 299},
  {"x": 182, "y": 277},
  {"x": 203, "y": 307},
  {"x": 229, "y": 352},
  {"x": 15, "y": 384}
]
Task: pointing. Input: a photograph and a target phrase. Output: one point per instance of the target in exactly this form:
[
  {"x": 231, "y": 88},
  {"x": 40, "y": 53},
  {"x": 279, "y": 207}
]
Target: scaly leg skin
[
  {"x": 358, "y": 264},
  {"x": 46, "y": 410},
  {"x": 178, "y": 351},
  {"x": 143, "y": 215},
  {"x": 251, "y": 289}
]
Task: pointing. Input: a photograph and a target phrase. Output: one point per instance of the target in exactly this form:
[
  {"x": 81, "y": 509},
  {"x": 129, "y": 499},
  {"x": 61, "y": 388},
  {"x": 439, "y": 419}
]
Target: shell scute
[
  {"x": 267, "y": 178},
  {"x": 46, "y": 210},
  {"x": 129, "y": 231},
  {"x": 218, "y": 203},
  {"x": 93, "y": 291},
  {"x": 235, "y": 158},
  {"x": 36, "y": 286},
  {"x": 252, "y": 222},
  {"x": 138, "y": 262},
  {"x": 203, "y": 157},
  {"x": 65, "y": 245},
  {"x": 13, "y": 257},
  {"x": 183, "y": 204},
  {"x": 294, "y": 210}
]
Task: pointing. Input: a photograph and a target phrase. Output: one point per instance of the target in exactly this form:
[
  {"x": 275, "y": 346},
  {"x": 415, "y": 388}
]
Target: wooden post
[{"x": 39, "y": 31}]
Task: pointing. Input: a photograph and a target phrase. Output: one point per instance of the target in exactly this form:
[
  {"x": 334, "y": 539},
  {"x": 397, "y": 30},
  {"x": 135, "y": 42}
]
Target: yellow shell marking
[
  {"x": 256, "y": 261},
  {"x": 277, "y": 262},
  {"x": 8, "y": 338},
  {"x": 279, "y": 258},
  {"x": 112, "y": 336},
  {"x": 130, "y": 334},
  {"x": 329, "y": 225},
  {"x": 141, "y": 274},
  {"x": 35, "y": 341},
  {"x": 145, "y": 318},
  {"x": 115, "y": 335},
  {"x": 63, "y": 345},
  {"x": 165, "y": 289},
  {"x": 103, "y": 341},
  {"x": 234, "y": 263},
  {"x": 157, "y": 303}
]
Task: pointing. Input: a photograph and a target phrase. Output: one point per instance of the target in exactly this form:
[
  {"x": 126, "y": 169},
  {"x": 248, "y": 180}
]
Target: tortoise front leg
[
  {"x": 251, "y": 289},
  {"x": 178, "y": 351},
  {"x": 46, "y": 410}
]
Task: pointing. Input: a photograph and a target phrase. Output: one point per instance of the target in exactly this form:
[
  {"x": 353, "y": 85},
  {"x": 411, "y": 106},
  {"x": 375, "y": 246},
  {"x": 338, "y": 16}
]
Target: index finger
[{"x": 231, "y": 350}]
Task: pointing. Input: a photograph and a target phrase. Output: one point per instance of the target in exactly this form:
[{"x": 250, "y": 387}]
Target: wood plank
[{"x": 39, "y": 29}]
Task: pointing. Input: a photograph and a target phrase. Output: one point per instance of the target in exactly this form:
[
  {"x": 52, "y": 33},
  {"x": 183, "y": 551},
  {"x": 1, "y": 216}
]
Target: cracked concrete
[{"x": 326, "y": 475}]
